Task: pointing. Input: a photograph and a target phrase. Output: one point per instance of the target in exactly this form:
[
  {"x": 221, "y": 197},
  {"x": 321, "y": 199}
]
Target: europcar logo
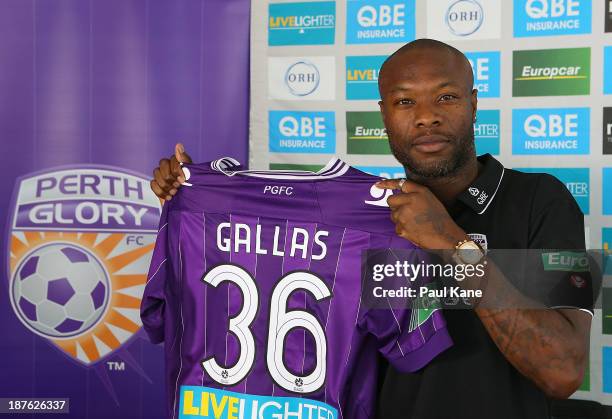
[
  {"x": 576, "y": 180},
  {"x": 362, "y": 76},
  {"x": 81, "y": 241},
  {"x": 463, "y": 19},
  {"x": 551, "y": 17},
  {"x": 486, "y": 132},
  {"x": 552, "y": 72},
  {"x": 387, "y": 172},
  {"x": 301, "y": 23},
  {"x": 607, "y": 131},
  {"x": 301, "y": 78},
  {"x": 366, "y": 133},
  {"x": 302, "y": 132},
  {"x": 380, "y": 21},
  {"x": 607, "y": 70},
  {"x": 607, "y": 190},
  {"x": 550, "y": 131},
  {"x": 486, "y": 69}
]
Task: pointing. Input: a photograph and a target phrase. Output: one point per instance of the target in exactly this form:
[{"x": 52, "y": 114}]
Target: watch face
[{"x": 469, "y": 252}]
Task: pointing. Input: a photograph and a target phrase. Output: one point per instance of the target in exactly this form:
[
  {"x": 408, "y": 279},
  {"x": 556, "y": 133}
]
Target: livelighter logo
[{"x": 552, "y": 72}]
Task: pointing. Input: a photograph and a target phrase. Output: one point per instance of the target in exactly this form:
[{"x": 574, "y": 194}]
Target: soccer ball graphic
[{"x": 60, "y": 290}]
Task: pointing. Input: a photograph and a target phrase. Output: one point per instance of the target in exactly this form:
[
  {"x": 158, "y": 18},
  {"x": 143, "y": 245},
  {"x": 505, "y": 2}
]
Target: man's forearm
[{"x": 544, "y": 344}]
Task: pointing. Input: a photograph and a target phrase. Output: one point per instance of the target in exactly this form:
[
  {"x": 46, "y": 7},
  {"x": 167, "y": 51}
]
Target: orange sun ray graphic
[{"x": 121, "y": 318}]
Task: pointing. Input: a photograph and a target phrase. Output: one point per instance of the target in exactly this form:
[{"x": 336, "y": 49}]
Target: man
[{"x": 507, "y": 362}]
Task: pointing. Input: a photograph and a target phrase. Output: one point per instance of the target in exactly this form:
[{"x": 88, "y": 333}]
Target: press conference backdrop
[
  {"x": 92, "y": 94},
  {"x": 543, "y": 69}
]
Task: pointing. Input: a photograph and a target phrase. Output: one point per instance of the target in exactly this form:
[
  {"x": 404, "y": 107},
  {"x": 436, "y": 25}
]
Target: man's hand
[
  {"x": 420, "y": 217},
  {"x": 169, "y": 176}
]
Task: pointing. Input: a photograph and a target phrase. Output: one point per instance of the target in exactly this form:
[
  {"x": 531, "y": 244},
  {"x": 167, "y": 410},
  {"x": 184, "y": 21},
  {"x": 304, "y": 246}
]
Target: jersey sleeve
[
  {"x": 408, "y": 338},
  {"x": 153, "y": 303},
  {"x": 557, "y": 239},
  {"x": 412, "y": 331}
]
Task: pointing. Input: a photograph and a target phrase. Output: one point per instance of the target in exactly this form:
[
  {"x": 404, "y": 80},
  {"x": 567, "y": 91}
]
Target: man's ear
[
  {"x": 474, "y": 101},
  {"x": 382, "y": 110}
]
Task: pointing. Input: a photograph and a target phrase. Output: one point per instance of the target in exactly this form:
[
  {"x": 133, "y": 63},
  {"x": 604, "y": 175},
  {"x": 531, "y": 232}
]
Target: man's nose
[{"x": 426, "y": 117}]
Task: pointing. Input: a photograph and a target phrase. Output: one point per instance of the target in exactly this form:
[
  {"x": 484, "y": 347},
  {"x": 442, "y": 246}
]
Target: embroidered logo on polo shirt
[
  {"x": 482, "y": 198},
  {"x": 474, "y": 191}
]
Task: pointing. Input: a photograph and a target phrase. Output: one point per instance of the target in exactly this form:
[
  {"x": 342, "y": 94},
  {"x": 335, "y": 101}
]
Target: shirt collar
[{"x": 480, "y": 193}]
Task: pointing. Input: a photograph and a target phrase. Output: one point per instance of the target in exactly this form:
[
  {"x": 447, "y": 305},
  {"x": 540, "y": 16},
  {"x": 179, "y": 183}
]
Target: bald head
[{"x": 430, "y": 53}]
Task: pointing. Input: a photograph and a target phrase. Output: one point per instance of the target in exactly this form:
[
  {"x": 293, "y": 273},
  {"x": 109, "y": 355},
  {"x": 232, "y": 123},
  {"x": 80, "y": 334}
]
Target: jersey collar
[{"x": 483, "y": 189}]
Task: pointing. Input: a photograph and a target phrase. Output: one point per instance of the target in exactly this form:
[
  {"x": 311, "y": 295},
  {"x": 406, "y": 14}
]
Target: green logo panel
[
  {"x": 551, "y": 72},
  {"x": 366, "y": 133}
]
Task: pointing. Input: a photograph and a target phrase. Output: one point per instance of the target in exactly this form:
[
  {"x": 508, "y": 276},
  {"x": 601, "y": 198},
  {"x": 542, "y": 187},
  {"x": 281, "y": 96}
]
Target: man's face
[{"x": 428, "y": 108}]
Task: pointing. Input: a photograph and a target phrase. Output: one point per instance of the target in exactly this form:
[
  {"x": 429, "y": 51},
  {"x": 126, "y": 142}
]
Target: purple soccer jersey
[{"x": 254, "y": 288}]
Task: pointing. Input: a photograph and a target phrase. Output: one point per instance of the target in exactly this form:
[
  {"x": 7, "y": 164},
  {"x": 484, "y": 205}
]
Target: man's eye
[
  {"x": 447, "y": 97},
  {"x": 405, "y": 102}
]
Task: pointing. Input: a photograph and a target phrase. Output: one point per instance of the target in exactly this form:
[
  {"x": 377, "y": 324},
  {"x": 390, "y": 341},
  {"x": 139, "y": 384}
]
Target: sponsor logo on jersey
[
  {"x": 463, "y": 19},
  {"x": 486, "y": 69},
  {"x": 362, "y": 77},
  {"x": 366, "y": 133},
  {"x": 311, "y": 23},
  {"x": 301, "y": 78},
  {"x": 387, "y": 172},
  {"x": 607, "y": 130},
  {"x": 550, "y": 131},
  {"x": 576, "y": 180},
  {"x": 486, "y": 131},
  {"x": 80, "y": 245},
  {"x": 198, "y": 402},
  {"x": 302, "y": 132},
  {"x": 380, "y": 21},
  {"x": 607, "y": 82},
  {"x": 608, "y": 15},
  {"x": 551, "y": 17},
  {"x": 606, "y": 244},
  {"x": 607, "y": 190},
  {"x": 553, "y": 72}
]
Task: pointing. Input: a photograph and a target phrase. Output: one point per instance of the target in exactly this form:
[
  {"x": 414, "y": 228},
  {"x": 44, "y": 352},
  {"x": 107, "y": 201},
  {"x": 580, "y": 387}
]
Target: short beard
[{"x": 448, "y": 167}]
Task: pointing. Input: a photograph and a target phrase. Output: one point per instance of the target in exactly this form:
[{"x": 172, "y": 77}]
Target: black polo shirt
[{"x": 502, "y": 209}]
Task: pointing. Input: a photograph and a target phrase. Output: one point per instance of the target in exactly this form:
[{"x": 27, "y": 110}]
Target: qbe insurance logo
[
  {"x": 607, "y": 190},
  {"x": 301, "y": 23},
  {"x": 80, "y": 246},
  {"x": 607, "y": 131},
  {"x": 550, "y": 131},
  {"x": 302, "y": 132},
  {"x": 379, "y": 21},
  {"x": 386, "y": 172},
  {"x": 551, "y": 17},
  {"x": 362, "y": 76},
  {"x": 608, "y": 15},
  {"x": 486, "y": 132},
  {"x": 302, "y": 78},
  {"x": 486, "y": 69},
  {"x": 551, "y": 72},
  {"x": 456, "y": 20},
  {"x": 576, "y": 180},
  {"x": 608, "y": 70},
  {"x": 366, "y": 133},
  {"x": 606, "y": 366},
  {"x": 606, "y": 244}
]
